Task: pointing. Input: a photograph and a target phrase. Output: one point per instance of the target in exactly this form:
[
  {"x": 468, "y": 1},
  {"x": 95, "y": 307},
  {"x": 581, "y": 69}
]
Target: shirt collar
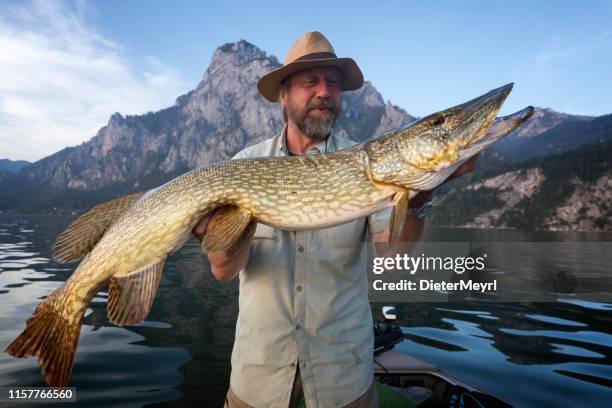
[{"x": 325, "y": 146}]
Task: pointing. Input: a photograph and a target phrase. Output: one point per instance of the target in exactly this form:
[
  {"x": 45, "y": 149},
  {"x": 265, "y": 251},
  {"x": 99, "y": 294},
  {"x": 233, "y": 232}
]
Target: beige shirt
[{"x": 304, "y": 298}]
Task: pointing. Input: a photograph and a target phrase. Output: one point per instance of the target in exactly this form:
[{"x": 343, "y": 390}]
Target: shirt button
[
  {"x": 298, "y": 327},
  {"x": 298, "y": 288},
  {"x": 301, "y": 249}
]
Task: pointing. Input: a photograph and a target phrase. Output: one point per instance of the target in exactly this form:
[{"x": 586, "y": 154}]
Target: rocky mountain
[
  {"x": 566, "y": 191},
  {"x": 568, "y": 135},
  {"x": 544, "y": 119},
  {"x": 523, "y": 144}
]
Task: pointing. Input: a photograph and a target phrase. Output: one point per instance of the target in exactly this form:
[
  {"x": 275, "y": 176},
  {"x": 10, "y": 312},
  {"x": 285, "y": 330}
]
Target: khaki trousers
[{"x": 369, "y": 399}]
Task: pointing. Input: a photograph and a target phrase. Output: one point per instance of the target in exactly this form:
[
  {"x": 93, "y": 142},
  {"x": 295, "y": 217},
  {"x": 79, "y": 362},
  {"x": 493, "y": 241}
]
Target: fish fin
[
  {"x": 428, "y": 180},
  {"x": 398, "y": 216},
  {"x": 85, "y": 232},
  {"x": 130, "y": 296},
  {"x": 53, "y": 338},
  {"x": 230, "y": 223}
]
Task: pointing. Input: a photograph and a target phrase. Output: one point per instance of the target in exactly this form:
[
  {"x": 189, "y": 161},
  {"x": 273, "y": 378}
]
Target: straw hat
[{"x": 312, "y": 50}]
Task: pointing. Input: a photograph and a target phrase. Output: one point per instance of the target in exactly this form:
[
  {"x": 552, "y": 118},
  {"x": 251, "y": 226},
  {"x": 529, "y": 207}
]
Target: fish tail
[{"x": 52, "y": 335}]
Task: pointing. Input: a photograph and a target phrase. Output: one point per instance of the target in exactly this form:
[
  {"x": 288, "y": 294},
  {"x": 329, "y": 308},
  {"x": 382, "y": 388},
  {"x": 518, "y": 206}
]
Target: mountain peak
[
  {"x": 239, "y": 53},
  {"x": 240, "y": 46},
  {"x": 540, "y": 111},
  {"x": 544, "y": 119},
  {"x": 232, "y": 66},
  {"x": 116, "y": 119}
]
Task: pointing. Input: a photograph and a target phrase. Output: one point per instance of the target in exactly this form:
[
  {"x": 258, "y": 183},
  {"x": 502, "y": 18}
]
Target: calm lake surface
[{"x": 533, "y": 354}]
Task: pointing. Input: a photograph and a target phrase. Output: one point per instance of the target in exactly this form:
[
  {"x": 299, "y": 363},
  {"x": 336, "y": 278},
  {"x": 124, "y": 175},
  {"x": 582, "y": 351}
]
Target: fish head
[
  {"x": 436, "y": 141},
  {"x": 434, "y": 146}
]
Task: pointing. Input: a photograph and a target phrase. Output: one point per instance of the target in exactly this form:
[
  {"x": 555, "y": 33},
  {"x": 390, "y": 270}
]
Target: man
[{"x": 305, "y": 325}]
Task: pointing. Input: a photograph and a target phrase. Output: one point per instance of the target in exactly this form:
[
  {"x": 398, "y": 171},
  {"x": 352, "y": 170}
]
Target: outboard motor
[
  {"x": 389, "y": 313},
  {"x": 387, "y": 333}
]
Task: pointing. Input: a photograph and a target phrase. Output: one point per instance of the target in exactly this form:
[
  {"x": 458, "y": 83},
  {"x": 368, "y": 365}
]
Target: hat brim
[{"x": 352, "y": 78}]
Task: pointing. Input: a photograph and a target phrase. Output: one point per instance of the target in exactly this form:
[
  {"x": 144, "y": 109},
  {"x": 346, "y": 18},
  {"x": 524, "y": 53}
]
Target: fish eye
[{"x": 436, "y": 121}]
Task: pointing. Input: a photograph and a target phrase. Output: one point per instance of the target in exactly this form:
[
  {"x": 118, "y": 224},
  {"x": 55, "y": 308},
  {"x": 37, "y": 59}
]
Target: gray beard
[
  {"x": 316, "y": 128},
  {"x": 313, "y": 128}
]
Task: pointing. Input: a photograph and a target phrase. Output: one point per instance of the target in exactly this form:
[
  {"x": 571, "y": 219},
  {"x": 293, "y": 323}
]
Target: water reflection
[
  {"x": 509, "y": 348},
  {"x": 532, "y": 354}
]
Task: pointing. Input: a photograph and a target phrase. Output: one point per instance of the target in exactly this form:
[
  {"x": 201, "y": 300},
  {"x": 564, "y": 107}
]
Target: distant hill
[
  {"x": 566, "y": 191},
  {"x": 568, "y": 135},
  {"x": 10, "y": 167},
  {"x": 542, "y": 121}
]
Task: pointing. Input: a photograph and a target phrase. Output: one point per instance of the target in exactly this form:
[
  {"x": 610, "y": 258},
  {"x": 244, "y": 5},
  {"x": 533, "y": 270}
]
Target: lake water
[{"x": 533, "y": 354}]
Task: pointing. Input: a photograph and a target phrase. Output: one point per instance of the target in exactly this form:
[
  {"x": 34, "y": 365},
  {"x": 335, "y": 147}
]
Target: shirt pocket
[{"x": 265, "y": 250}]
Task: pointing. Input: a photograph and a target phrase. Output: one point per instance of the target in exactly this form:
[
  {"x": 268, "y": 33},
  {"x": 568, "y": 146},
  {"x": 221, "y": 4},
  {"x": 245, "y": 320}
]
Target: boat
[{"x": 421, "y": 383}]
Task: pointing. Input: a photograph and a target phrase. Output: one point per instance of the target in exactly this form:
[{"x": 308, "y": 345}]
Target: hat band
[{"x": 316, "y": 55}]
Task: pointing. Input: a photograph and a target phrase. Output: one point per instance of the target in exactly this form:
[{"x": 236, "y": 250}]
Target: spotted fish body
[{"x": 126, "y": 242}]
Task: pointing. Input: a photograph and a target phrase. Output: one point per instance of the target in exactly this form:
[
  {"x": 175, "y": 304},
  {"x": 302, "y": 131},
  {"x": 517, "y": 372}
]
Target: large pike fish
[{"x": 125, "y": 242}]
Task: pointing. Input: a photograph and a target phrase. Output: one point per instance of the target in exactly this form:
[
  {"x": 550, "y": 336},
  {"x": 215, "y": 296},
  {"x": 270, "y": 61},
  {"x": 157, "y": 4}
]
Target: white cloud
[{"x": 60, "y": 80}]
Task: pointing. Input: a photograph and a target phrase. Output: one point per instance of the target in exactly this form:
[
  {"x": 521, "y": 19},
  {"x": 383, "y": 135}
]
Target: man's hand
[
  {"x": 200, "y": 229},
  {"x": 209, "y": 220},
  {"x": 413, "y": 227},
  {"x": 225, "y": 265}
]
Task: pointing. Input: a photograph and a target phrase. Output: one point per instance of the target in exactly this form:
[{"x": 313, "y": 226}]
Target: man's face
[{"x": 311, "y": 100}]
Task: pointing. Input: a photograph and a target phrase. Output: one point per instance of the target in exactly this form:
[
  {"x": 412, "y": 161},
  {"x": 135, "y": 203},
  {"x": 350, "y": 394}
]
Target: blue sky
[{"x": 65, "y": 66}]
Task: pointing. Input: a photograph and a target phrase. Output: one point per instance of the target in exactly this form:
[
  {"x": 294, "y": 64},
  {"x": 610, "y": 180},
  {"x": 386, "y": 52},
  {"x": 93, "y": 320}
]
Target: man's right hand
[
  {"x": 225, "y": 265},
  {"x": 200, "y": 229}
]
